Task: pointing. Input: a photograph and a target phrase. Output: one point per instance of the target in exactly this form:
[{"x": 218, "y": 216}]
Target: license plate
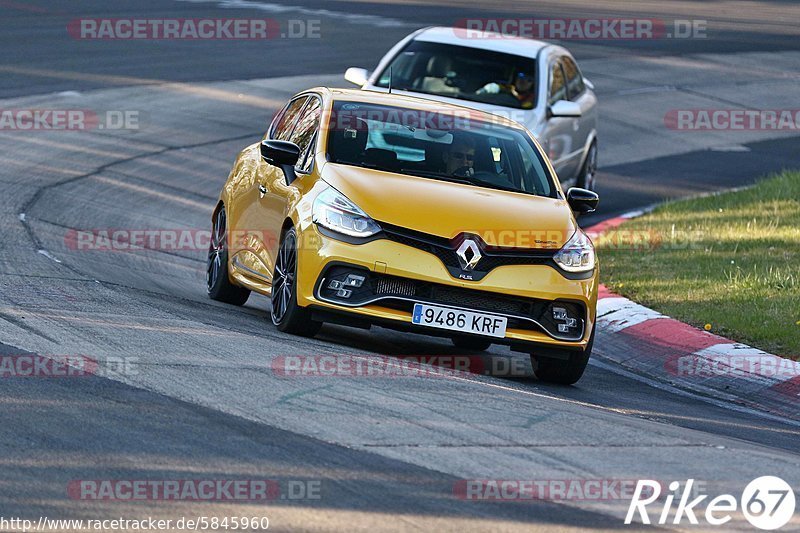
[{"x": 459, "y": 320}]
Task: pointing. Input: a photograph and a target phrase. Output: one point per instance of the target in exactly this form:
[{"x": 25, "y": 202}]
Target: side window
[
  {"x": 575, "y": 85},
  {"x": 305, "y": 131},
  {"x": 283, "y": 126},
  {"x": 558, "y": 89}
]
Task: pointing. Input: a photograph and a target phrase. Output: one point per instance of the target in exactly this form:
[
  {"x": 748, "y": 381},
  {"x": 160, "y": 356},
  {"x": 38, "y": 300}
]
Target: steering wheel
[{"x": 464, "y": 172}]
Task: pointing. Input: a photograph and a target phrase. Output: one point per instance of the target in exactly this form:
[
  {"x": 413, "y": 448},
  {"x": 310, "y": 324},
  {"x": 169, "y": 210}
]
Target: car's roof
[
  {"x": 496, "y": 42},
  {"x": 417, "y": 104}
]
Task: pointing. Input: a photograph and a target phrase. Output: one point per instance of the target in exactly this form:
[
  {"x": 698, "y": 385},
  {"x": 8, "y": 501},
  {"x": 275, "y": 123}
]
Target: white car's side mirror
[
  {"x": 565, "y": 108},
  {"x": 357, "y": 76}
]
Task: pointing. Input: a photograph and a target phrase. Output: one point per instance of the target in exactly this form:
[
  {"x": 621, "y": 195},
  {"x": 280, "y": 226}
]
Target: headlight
[
  {"x": 332, "y": 210},
  {"x": 577, "y": 255}
]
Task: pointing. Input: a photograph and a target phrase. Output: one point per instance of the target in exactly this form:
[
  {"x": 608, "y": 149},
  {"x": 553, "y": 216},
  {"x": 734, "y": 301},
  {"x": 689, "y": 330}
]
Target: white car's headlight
[
  {"x": 334, "y": 211},
  {"x": 577, "y": 255}
]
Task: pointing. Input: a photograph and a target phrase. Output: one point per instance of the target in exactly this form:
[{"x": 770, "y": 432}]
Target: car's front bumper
[{"x": 406, "y": 275}]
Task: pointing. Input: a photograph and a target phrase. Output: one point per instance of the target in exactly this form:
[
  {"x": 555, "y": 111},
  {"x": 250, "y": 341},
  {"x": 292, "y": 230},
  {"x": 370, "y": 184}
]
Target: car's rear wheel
[
  {"x": 471, "y": 343},
  {"x": 218, "y": 284},
  {"x": 286, "y": 314},
  {"x": 563, "y": 371},
  {"x": 589, "y": 170}
]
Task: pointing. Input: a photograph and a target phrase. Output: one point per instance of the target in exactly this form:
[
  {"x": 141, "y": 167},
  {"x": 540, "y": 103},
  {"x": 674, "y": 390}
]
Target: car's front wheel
[
  {"x": 286, "y": 314},
  {"x": 218, "y": 284},
  {"x": 563, "y": 371},
  {"x": 589, "y": 170}
]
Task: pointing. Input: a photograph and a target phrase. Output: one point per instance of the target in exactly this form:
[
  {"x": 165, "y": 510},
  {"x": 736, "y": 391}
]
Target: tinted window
[
  {"x": 575, "y": 85},
  {"x": 558, "y": 88},
  {"x": 437, "y": 146},
  {"x": 304, "y": 131},
  {"x": 285, "y": 124},
  {"x": 464, "y": 73}
]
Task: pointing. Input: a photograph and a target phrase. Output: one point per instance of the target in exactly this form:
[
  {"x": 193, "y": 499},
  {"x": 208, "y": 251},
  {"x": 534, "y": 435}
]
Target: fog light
[
  {"x": 335, "y": 284},
  {"x": 344, "y": 293},
  {"x": 566, "y": 324},
  {"x": 354, "y": 280}
]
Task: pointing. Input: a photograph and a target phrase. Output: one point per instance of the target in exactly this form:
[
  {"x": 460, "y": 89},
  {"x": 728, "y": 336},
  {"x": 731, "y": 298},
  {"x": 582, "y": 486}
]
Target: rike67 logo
[{"x": 768, "y": 503}]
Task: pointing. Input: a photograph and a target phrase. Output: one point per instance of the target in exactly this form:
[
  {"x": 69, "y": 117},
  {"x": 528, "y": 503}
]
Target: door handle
[{"x": 262, "y": 190}]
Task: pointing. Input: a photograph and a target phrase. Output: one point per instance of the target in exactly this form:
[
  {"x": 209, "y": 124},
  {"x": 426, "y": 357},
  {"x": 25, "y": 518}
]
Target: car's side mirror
[
  {"x": 565, "y": 108},
  {"x": 357, "y": 76},
  {"x": 283, "y": 154},
  {"x": 582, "y": 201}
]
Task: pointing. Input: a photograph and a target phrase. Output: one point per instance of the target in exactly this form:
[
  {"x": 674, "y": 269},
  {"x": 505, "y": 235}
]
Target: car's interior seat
[
  {"x": 435, "y": 80},
  {"x": 347, "y": 143},
  {"x": 381, "y": 158}
]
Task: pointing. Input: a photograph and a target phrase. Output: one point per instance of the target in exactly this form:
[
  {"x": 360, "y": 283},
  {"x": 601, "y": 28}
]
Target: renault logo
[{"x": 468, "y": 254}]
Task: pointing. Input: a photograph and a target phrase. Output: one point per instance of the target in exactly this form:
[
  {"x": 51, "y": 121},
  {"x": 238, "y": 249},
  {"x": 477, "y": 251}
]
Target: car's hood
[{"x": 448, "y": 209}]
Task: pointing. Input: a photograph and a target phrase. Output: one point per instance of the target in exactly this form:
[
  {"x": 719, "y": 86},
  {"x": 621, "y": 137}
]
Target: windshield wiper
[
  {"x": 456, "y": 179},
  {"x": 491, "y": 185},
  {"x": 436, "y": 175}
]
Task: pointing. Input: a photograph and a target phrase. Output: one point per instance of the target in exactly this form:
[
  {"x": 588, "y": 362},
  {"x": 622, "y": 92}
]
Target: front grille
[
  {"x": 401, "y": 293},
  {"x": 394, "y": 286},
  {"x": 445, "y": 249}
]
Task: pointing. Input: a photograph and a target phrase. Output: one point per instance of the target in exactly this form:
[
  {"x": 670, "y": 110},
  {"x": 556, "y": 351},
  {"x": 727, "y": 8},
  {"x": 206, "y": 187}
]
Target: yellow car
[{"x": 362, "y": 208}]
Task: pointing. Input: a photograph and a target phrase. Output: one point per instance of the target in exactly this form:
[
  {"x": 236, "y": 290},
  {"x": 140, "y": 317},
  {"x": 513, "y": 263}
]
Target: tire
[
  {"x": 563, "y": 372},
  {"x": 471, "y": 343},
  {"x": 287, "y": 316},
  {"x": 218, "y": 284},
  {"x": 589, "y": 169}
]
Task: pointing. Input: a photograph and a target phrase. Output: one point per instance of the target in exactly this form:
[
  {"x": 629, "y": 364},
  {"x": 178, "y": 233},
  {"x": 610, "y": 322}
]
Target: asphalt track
[{"x": 201, "y": 399}]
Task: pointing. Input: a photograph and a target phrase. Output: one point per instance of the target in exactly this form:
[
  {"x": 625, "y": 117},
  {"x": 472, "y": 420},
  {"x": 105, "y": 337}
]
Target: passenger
[{"x": 521, "y": 89}]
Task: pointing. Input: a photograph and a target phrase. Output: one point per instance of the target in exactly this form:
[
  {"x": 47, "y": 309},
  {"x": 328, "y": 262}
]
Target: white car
[{"x": 535, "y": 83}]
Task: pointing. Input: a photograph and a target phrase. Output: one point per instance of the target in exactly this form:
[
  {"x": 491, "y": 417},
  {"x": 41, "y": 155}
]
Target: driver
[
  {"x": 459, "y": 158},
  {"x": 521, "y": 89}
]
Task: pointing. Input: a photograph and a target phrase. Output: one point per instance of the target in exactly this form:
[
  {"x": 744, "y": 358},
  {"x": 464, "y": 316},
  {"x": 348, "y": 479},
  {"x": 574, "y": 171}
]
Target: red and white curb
[{"x": 654, "y": 345}]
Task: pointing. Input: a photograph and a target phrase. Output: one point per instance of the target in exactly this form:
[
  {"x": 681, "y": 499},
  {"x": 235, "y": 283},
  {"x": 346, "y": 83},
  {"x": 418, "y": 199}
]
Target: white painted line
[
  {"x": 353, "y": 18},
  {"x": 49, "y": 255},
  {"x": 646, "y": 90},
  {"x": 616, "y": 313}
]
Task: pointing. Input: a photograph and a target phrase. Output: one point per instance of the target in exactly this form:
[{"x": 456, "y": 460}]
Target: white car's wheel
[{"x": 589, "y": 170}]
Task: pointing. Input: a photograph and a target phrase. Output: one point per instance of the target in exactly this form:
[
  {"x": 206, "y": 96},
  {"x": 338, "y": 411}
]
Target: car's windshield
[
  {"x": 437, "y": 145},
  {"x": 465, "y": 73}
]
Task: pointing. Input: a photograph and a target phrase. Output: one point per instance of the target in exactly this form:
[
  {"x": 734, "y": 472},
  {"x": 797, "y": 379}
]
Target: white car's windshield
[
  {"x": 464, "y": 73},
  {"x": 437, "y": 145}
]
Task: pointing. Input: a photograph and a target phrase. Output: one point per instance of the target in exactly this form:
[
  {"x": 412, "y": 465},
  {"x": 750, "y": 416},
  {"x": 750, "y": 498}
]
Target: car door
[
  {"x": 585, "y": 124},
  {"x": 559, "y": 132},
  {"x": 274, "y": 195},
  {"x": 250, "y": 239}
]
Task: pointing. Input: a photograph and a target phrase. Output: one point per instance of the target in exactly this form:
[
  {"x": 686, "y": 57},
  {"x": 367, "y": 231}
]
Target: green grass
[{"x": 730, "y": 260}]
